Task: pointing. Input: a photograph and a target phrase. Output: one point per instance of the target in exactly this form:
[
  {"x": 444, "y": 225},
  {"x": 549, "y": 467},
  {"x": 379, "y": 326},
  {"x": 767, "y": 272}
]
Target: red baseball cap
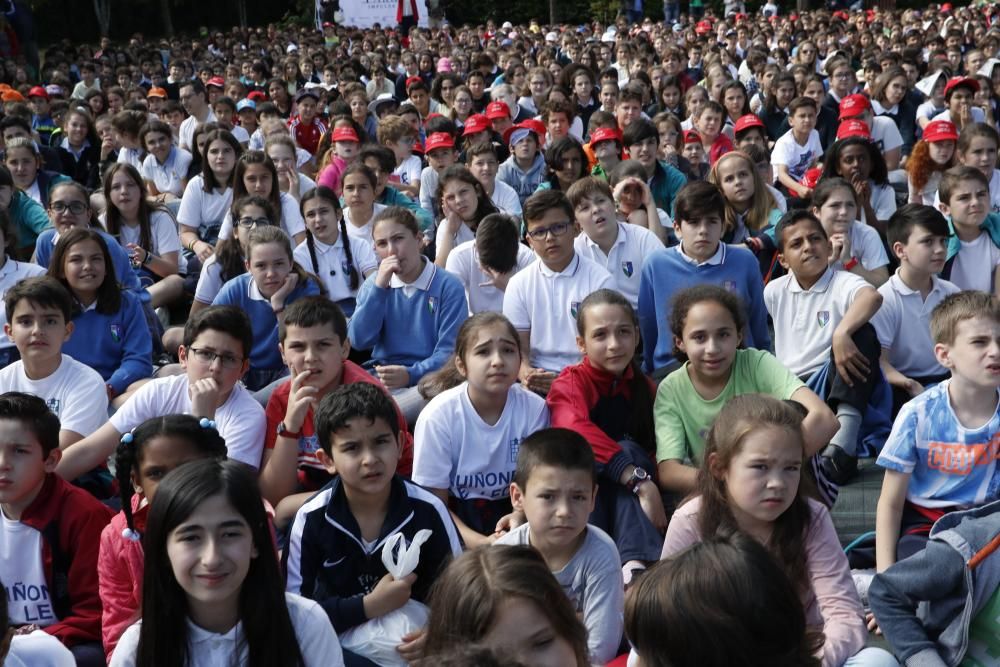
[
  {"x": 439, "y": 140},
  {"x": 605, "y": 134},
  {"x": 346, "y": 134},
  {"x": 747, "y": 121},
  {"x": 940, "y": 130},
  {"x": 257, "y": 96},
  {"x": 475, "y": 123},
  {"x": 946, "y": 7},
  {"x": 412, "y": 80},
  {"x": 853, "y": 127},
  {"x": 497, "y": 110},
  {"x": 703, "y": 27},
  {"x": 691, "y": 137},
  {"x": 854, "y": 105},
  {"x": 958, "y": 82},
  {"x": 38, "y": 91},
  {"x": 216, "y": 81},
  {"x": 811, "y": 178}
]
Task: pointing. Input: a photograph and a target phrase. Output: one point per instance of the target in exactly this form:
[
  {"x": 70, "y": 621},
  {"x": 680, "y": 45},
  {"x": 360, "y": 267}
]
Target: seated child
[
  {"x": 481, "y": 159},
  {"x": 555, "y": 486},
  {"x": 938, "y": 456},
  {"x": 856, "y": 246},
  {"x": 439, "y": 149},
  {"x": 13, "y": 272},
  {"x": 45, "y": 515},
  {"x": 634, "y": 203},
  {"x": 642, "y": 141},
  {"x": 333, "y": 552},
  {"x": 399, "y": 136},
  {"x": 606, "y": 143},
  {"x": 973, "y": 261},
  {"x": 382, "y": 161},
  {"x": 798, "y": 149},
  {"x": 525, "y": 168}
]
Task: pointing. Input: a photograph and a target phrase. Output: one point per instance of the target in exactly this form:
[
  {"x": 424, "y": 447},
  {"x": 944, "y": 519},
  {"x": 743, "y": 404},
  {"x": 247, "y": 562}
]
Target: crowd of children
[{"x": 515, "y": 345}]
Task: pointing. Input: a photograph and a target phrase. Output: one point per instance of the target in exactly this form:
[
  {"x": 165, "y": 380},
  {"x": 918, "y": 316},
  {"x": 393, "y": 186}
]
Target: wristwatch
[
  {"x": 639, "y": 476},
  {"x": 284, "y": 432}
]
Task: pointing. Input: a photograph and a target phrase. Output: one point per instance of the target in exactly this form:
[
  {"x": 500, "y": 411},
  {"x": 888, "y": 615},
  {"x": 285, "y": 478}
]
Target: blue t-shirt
[{"x": 950, "y": 465}]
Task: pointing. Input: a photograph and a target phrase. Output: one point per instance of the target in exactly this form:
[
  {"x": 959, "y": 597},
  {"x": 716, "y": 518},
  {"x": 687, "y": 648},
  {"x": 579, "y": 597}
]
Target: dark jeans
[
  {"x": 90, "y": 654},
  {"x": 618, "y": 513},
  {"x": 901, "y": 396},
  {"x": 859, "y": 395}
]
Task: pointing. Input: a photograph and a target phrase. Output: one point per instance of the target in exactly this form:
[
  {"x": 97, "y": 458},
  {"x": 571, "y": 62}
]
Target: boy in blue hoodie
[{"x": 524, "y": 170}]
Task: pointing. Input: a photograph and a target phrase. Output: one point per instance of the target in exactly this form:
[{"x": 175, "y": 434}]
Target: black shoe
[{"x": 838, "y": 466}]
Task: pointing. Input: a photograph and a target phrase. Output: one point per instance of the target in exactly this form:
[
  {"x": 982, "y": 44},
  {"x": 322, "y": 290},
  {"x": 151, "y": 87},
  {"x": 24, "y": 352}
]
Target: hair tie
[
  {"x": 207, "y": 423},
  {"x": 131, "y": 535},
  {"x": 127, "y": 438}
]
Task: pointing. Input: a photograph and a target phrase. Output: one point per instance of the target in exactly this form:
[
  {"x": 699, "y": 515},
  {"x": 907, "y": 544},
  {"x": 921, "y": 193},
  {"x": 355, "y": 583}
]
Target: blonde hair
[
  {"x": 957, "y": 308},
  {"x": 756, "y": 217}
]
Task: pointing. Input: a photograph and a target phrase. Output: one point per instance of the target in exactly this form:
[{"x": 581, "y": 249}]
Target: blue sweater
[
  {"x": 124, "y": 273},
  {"x": 666, "y": 272},
  {"x": 117, "y": 346},
  {"x": 419, "y": 332},
  {"x": 264, "y": 355}
]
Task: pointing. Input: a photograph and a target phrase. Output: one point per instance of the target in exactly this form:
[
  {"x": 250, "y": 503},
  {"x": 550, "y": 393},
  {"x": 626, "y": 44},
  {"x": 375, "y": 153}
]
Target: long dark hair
[
  {"x": 831, "y": 163},
  {"x": 240, "y": 188},
  {"x": 112, "y": 215},
  {"x": 109, "y": 294},
  {"x": 554, "y": 153},
  {"x": 267, "y": 626},
  {"x": 459, "y": 172},
  {"x": 207, "y": 175},
  {"x": 328, "y": 195},
  {"x": 449, "y": 376}
]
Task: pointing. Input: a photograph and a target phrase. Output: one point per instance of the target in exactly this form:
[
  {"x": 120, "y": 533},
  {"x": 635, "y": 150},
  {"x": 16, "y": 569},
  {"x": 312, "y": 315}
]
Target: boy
[
  {"x": 481, "y": 159},
  {"x": 620, "y": 248},
  {"x": 214, "y": 356},
  {"x": 541, "y": 301},
  {"x": 525, "y": 169},
  {"x": 822, "y": 332},
  {"x": 798, "y": 149},
  {"x": 693, "y": 150},
  {"x": 38, "y": 322},
  {"x": 246, "y": 112},
  {"x": 555, "y": 487},
  {"x": 173, "y": 115},
  {"x": 642, "y": 142},
  {"x": 397, "y": 135},
  {"x": 974, "y": 247},
  {"x": 382, "y": 161},
  {"x": 498, "y": 113},
  {"x": 333, "y": 553},
  {"x": 750, "y": 130},
  {"x": 51, "y": 533},
  {"x": 708, "y": 121},
  {"x": 940, "y": 456},
  {"x": 41, "y": 118},
  {"x": 314, "y": 345},
  {"x": 699, "y": 258},
  {"x": 558, "y": 119},
  {"x": 918, "y": 236},
  {"x": 306, "y": 127},
  {"x": 441, "y": 154},
  {"x": 156, "y": 99},
  {"x": 88, "y": 81},
  {"x": 486, "y": 264},
  {"x": 606, "y": 143}
]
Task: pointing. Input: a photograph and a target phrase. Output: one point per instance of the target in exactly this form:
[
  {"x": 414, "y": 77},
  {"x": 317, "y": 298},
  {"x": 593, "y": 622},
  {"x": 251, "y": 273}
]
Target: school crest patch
[
  {"x": 628, "y": 269},
  {"x": 116, "y": 333},
  {"x": 432, "y": 304},
  {"x": 574, "y": 308},
  {"x": 822, "y": 318},
  {"x": 729, "y": 285}
]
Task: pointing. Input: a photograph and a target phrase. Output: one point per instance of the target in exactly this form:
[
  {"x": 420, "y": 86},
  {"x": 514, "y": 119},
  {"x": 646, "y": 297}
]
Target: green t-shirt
[
  {"x": 984, "y": 635},
  {"x": 683, "y": 418}
]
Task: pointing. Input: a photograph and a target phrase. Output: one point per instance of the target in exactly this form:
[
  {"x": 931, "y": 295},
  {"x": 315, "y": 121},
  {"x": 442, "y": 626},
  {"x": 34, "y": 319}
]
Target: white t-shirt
[
  {"x": 28, "y": 598},
  {"x": 199, "y": 207},
  {"x": 866, "y": 246},
  {"x": 11, "y": 273},
  {"x": 291, "y": 218},
  {"x": 975, "y": 264},
  {"x": 883, "y": 199},
  {"x": 995, "y": 191},
  {"x": 169, "y": 176},
  {"x": 75, "y": 393},
  {"x": 209, "y": 281},
  {"x": 240, "y": 420},
  {"x": 454, "y": 449},
  {"x": 463, "y": 235},
  {"x": 163, "y": 233},
  {"x": 316, "y": 637},
  {"x": 885, "y": 134},
  {"x": 364, "y": 233},
  {"x": 505, "y": 199},
  {"x": 132, "y": 156},
  {"x": 333, "y": 268},
  {"x": 429, "y": 180},
  {"x": 408, "y": 171},
  {"x": 38, "y": 649},
  {"x": 624, "y": 262},
  {"x": 545, "y": 303},
  {"x": 797, "y": 158},
  {"x": 188, "y": 126},
  {"x": 463, "y": 261},
  {"x": 977, "y": 115}
]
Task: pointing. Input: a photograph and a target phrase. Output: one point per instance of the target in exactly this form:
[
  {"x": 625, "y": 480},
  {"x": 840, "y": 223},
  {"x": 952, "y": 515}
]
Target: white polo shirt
[
  {"x": 903, "y": 325},
  {"x": 805, "y": 319},
  {"x": 463, "y": 235},
  {"x": 169, "y": 176},
  {"x": 883, "y": 199},
  {"x": 463, "y": 261},
  {"x": 866, "y": 246},
  {"x": 885, "y": 134},
  {"x": 188, "y": 125},
  {"x": 505, "y": 198},
  {"x": 624, "y": 262},
  {"x": 365, "y": 231},
  {"x": 545, "y": 303},
  {"x": 332, "y": 266},
  {"x": 11, "y": 273}
]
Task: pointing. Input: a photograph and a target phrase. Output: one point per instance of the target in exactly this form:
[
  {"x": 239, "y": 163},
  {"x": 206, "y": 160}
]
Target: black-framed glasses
[
  {"x": 557, "y": 229},
  {"x": 253, "y": 223},
  {"x": 75, "y": 207},
  {"x": 209, "y": 356}
]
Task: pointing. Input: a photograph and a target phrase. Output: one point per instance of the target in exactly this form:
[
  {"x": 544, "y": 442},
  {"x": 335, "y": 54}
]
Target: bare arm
[
  {"x": 84, "y": 455},
  {"x": 819, "y": 424},
  {"x": 471, "y": 538},
  {"x": 887, "y": 517},
  {"x": 676, "y": 477}
]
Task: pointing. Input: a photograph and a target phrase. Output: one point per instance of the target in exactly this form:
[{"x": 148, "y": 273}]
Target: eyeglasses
[
  {"x": 557, "y": 229},
  {"x": 208, "y": 357},
  {"x": 252, "y": 223},
  {"x": 76, "y": 207}
]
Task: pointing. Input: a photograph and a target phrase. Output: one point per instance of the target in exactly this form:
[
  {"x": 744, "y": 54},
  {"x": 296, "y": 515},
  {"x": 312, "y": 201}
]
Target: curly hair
[{"x": 920, "y": 166}]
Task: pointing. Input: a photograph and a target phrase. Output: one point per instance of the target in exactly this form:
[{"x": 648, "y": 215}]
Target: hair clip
[
  {"x": 127, "y": 438},
  {"x": 207, "y": 423},
  {"x": 131, "y": 535}
]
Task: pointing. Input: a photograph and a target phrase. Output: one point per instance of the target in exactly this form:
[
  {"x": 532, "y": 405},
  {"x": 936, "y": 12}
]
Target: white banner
[{"x": 366, "y": 13}]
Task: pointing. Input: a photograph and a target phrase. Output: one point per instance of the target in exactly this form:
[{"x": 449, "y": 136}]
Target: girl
[
  {"x": 890, "y": 99},
  {"x": 506, "y": 598},
  {"x": 198, "y": 140},
  {"x": 359, "y": 196},
  {"x": 125, "y": 126},
  {"x": 977, "y": 147},
  {"x": 79, "y": 150},
  {"x": 671, "y": 96},
  {"x": 694, "y": 100},
  {"x": 707, "y": 323},
  {"x": 11, "y": 273},
  {"x": 834, "y": 202},
  {"x": 111, "y": 332},
  {"x": 343, "y": 153},
  {"x": 749, "y": 480},
  {"x": 26, "y": 215},
  {"x": 461, "y": 106},
  {"x": 734, "y": 100},
  {"x": 932, "y": 156},
  {"x": 277, "y": 91},
  {"x": 566, "y": 164},
  {"x": 212, "y": 591},
  {"x": 774, "y": 113},
  {"x": 857, "y": 160},
  {"x": 256, "y": 174},
  {"x": 207, "y": 197},
  {"x": 281, "y": 149},
  {"x": 478, "y": 399},
  {"x": 22, "y": 157},
  {"x": 539, "y": 82},
  {"x": 407, "y": 288},
  {"x": 340, "y": 261},
  {"x": 273, "y": 281},
  {"x": 464, "y": 202},
  {"x": 165, "y": 167},
  {"x": 95, "y": 102},
  {"x": 143, "y": 457},
  {"x": 146, "y": 231}
]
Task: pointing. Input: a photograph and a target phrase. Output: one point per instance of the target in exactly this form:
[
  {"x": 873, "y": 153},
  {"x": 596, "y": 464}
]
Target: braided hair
[{"x": 326, "y": 194}]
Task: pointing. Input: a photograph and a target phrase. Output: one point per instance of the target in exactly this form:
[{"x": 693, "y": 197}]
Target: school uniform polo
[
  {"x": 363, "y": 232},
  {"x": 463, "y": 261},
  {"x": 169, "y": 176},
  {"x": 11, "y": 273},
  {"x": 624, "y": 261},
  {"x": 545, "y": 302},
  {"x": 505, "y": 199},
  {"x": 903, "y": 325},
  {"x": 866, "y": 245},
  {"x": 333, "y": 268},
  {"x": 202, "y": 210},
  {"x": 805, "y": 319},
  {"x": 463, "y": 235}
]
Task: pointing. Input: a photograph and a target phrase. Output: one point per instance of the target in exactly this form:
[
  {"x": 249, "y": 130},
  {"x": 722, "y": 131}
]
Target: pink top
[
  {"x": 330, "y": 176},
  {"x": 831, "y": 603},
  {"x": 120, "y": 565}
]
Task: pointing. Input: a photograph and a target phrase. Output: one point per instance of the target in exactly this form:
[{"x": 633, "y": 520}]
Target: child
[
  {"x": 798, "y": 149},
  {"x": 441, "y": 154},
  {"x": 125, "y": 126},
  {"x": 406, "y": 289},
  {"x": 749, "y": 481},
  {"x": 208, "y": 196},
  {"x": 505, "y": 598},
  {"x": 282, "y": 151},
  {"x": 749, "y": 129},
  {"x": 143, "y": 457},
  {"x": 821, "y": 328},
  {"x": 918, "y": 236},
  {"x": 217, "y": 342},
  {"x": 256, "y": 174},
  {"x": 481, "y": 401},
  {"x": 935, "y": 457},
  {"x": 346, "y": 147},
  {"x": 856, "y": 247},
  {"x": 306, "y": 127},
  {"x": 481, "y": 159},
  {"x": 699, "y": 258},
  {"x": 79, "y": 149},
  {"x": 382, "y": 161},
  {"x": 525, "y": 168},
  {"x": 211, "y": 585},
  {"x": 931, "y": 157},
  {"x": 620, "y": 248},
  {"x": 541, "y": 301},
  {"x": 973, "y": 261},
  {"x": 399, "y": 136},
  {"x": 360, "y": 211},
  {"x": 642, "y": 141},
  {"x": 314, "y": 345},
  {"x": 272, "y": 282},
  {"x": 555, "y": 485},
  {"x": 45, "y": 515},
  {"x": 708, "y": 122},
  {"x": 38, "y": 322},
  {"x": 11, "y": 273},
  {"x": 606, "y": 142},
  {"x": 464, "y": 202},
  {"x": 340, "y": 262},
  {"x": 165, "y": 166},
  {"x": 855, "y": 158},
  {"x": 693, "y": 150},
  {"x": 367, "y": 502},
  {"x": 977, "y": 147}
]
